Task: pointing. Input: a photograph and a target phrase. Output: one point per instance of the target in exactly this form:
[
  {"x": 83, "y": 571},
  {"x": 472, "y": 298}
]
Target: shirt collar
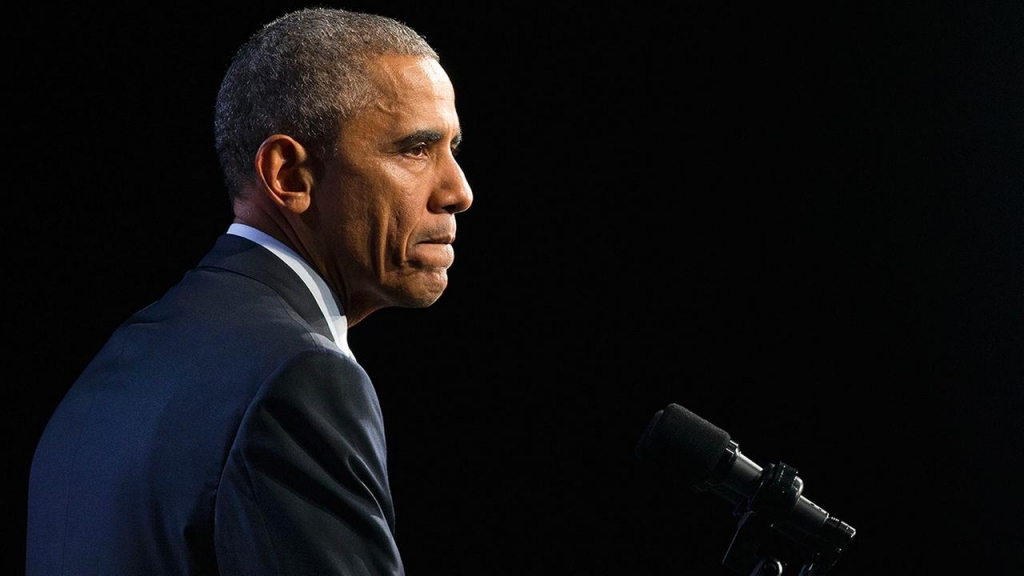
[{"x": 336, "y": 320}]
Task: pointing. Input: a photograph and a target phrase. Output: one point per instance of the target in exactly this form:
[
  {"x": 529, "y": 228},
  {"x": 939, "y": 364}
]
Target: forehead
[
  {"x": 412, "y": 92},
  {"x": 395, "y": 75}
]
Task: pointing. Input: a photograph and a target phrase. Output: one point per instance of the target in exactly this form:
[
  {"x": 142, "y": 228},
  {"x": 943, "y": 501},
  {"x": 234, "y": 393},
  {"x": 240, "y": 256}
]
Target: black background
[{"x": 805, "y": 224}]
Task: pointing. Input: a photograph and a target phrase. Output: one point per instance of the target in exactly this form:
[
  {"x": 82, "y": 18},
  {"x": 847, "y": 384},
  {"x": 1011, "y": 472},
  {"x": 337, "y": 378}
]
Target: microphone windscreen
[{"x": 682, "y": 446}]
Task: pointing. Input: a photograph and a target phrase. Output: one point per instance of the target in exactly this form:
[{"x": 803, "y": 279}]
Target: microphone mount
[{"x": 761, "y": 516}]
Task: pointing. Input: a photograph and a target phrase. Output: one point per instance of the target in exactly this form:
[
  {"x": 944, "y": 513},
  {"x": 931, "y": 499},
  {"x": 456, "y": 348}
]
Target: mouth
[{"x": 433, "y": 254}]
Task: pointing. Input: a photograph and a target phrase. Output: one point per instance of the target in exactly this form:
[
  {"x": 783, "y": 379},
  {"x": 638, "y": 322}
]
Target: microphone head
[{"x": 682, "y": 446}]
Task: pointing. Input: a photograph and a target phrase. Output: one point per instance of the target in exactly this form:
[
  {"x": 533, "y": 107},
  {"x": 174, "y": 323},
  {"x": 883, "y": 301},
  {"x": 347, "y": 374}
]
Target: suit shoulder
[{"x": 325, "y": 375}]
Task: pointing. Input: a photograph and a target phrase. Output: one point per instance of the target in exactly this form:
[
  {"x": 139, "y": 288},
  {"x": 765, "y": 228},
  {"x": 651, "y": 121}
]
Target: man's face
[{"x": 388, "y": 200}]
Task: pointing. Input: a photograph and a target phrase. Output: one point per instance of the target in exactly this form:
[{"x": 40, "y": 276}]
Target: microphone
[{"x": 691, "y": 451}]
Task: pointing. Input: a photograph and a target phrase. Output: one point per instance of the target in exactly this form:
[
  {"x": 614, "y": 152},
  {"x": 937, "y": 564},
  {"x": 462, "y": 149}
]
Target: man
[{"x": 227, "y": 428}]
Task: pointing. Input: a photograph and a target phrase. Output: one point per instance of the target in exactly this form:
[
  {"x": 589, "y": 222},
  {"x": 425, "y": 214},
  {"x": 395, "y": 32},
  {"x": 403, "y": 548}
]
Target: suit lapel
[{"x": 245, "y": 257}]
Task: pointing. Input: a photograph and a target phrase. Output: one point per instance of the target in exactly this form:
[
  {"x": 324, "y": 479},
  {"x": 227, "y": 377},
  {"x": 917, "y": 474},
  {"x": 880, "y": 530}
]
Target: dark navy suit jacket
[{"x": 219, "y": 431}]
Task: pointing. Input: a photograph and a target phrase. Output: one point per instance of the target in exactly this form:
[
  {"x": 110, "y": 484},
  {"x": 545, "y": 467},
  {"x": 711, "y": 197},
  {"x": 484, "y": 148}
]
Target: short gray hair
[{"x": 302, "y": 74}]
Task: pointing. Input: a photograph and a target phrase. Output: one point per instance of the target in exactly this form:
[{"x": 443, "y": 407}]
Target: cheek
[
  {"x": 404, "y": 216},
  {"x": 383, "y": 230},
  {"x": 400, "y": 232},
  {"x": 390, "y": 205}
]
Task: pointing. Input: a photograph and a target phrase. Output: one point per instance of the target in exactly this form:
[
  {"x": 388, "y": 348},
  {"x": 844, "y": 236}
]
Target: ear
[{"x": 286, "y": 172}]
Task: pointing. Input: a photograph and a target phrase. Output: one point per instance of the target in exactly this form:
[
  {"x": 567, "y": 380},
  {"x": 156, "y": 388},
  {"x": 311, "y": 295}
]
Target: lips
[{"x": 440, "y": 237}]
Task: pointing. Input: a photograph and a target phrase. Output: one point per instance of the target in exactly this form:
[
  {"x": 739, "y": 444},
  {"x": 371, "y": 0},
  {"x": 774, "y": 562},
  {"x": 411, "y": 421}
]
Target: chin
[{"x": 423, "y": 290}]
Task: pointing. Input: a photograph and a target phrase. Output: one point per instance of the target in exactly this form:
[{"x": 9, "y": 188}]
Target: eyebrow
[{"x": 428, "y": 136}]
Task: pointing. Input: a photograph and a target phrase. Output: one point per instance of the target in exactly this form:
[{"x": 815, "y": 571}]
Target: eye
[{"x": 419, "y": 149}]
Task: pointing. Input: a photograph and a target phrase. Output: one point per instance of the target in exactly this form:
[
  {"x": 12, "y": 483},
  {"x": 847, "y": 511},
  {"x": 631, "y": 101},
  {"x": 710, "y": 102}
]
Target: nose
[{"x": 453, "y": 193}]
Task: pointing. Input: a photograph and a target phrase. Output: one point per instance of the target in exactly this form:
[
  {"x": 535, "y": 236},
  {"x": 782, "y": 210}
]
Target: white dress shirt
[{"x": 336, "y": 321}]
